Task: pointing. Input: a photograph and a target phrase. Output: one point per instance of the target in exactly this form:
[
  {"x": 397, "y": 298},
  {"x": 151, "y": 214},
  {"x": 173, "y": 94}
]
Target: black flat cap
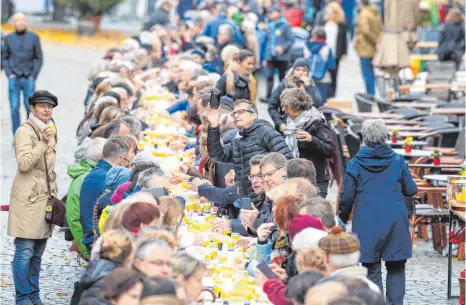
[{"x": 43, "y": 96}]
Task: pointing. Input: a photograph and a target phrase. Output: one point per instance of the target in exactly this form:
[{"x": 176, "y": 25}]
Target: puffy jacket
[
  {"x": 259, "y": 138},
  {"x": 78, "y": 172},
  {"x": 92, "y": 282},
  {"x": 279, "y": 34},
  {"x": 320, "y": 149},
  {"x": 369, "y": 27},
  {"x": 92, "y": 188},
  {"x": 275, "y": 109}
]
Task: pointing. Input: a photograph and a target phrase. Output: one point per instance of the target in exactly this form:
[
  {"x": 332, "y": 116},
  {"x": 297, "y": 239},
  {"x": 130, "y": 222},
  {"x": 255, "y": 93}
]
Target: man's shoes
[{"x": 264, "y": 100}]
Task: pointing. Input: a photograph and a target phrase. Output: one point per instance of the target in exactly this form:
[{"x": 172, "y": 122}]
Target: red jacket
[
  {"x": 294, "y": 17},
  {"x": 275, "y": 291}
]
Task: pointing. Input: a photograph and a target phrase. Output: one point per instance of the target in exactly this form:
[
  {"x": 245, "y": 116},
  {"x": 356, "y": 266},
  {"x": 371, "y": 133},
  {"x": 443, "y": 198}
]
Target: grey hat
[{"x": 43, "y": 96}]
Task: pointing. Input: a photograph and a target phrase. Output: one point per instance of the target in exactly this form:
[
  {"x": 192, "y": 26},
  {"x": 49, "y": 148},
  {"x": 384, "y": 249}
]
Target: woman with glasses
[{"x": 307, "y": 134}]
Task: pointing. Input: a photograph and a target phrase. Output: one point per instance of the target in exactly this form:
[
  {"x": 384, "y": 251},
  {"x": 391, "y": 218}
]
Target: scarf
[
  {"x": 305, "y": 118},
  {"x": 38, "y": 123}
]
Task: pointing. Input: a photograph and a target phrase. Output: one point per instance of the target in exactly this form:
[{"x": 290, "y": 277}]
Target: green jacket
[{"x": 77, "y": 172}]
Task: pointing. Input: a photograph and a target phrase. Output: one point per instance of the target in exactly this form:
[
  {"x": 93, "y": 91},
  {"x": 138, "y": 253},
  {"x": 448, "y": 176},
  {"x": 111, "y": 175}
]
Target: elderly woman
[
  {"x": 189, "y": 272},
  {"x": 307, "y": 134},
  {"x": 35, "y": 143},
  {"x": 375, "y": 182}
]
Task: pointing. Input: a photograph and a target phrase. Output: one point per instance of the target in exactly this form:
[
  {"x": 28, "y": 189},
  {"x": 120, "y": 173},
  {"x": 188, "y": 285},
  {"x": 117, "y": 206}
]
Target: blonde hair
[
  {"x": 314, "y": 259},
  {"x": 116, "y": 216},
  {"x": 337, "y": 11},
  {"x": 172, "y": 211},
  {"x": 227, "y": 55},
  {"x": 186, "y": 265},
  {"x": 103, "y": 87},
  {"x": 110, "y": 114},
  {"x": 116, "y": 246}
]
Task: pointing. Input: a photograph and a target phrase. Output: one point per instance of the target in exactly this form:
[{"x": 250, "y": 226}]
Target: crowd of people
[{"x": 151, "y": 133}]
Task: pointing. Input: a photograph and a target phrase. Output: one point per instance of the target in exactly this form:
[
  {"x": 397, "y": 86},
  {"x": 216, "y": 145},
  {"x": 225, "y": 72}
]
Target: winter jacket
[
  {"x": 375, "y": 182},
  {"x": 241, "y": 87},
  {"x": 275, "y": 290},
  {"x": 22, "y": 54},
  {"x": 211, "y": 28},
  {"x": 320, "y": 149},
  {"x": 342, "y": 41},
  {"x": 221, "y": 196},
  {"x": 92, "y": 281},
  {"x": 29, "y": 194},
  {"x": 160, "y": 17},
  {"x": 368, "y": 29},
  {"x": 259, "y": 138},
  {"x": 275, "y": 109},
  {"x": 78, "y": 172},
  {"x": 92, "y": 188},
  {"x": 326, "y": 54},
  {"x": 279, "y": 33},
  {"x": 452, "y": 42}
]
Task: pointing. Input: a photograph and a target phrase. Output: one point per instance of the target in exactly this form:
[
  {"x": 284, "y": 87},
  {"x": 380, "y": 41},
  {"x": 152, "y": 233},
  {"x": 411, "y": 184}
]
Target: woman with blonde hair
[
  {"x": 336, "y": 32},
  {"x": 110, "y": 114},
  {"x": 172, "y": 211},
  {"x": 116, "y": 251},
  {"x": 227, "y": 55}
]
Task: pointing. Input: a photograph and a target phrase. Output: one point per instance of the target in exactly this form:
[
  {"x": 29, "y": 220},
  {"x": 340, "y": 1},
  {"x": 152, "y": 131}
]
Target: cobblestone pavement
[{"x": 64, "y": 73}]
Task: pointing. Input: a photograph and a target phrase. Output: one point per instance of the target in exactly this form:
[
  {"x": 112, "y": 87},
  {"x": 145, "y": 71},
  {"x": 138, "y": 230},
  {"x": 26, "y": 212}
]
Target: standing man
[
  {"x": 368, "y": 30},
  {"x": 279, "y": 40},
  {"x": 22, "y": 60},
  {"x": 161, "y": 15}
]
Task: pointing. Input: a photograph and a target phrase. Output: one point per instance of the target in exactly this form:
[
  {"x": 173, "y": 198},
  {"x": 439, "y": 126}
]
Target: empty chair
[
  {"x": 441, "y": 72},
  {"x": 460, "y": 142},
  {"x": 446, "y": 137},
  {"x": 383, "y": 105},
  {"x": 329, "y": 112},
  {"x": 353, "y": 142},
  {"x": 364, "y": 103},
  {"x": 356, "y": 129}
]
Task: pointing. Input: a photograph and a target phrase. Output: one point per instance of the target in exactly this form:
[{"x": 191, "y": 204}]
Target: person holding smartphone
[
  {"x": 307, "y": 134},
  {"x": 297, "y": 77}
]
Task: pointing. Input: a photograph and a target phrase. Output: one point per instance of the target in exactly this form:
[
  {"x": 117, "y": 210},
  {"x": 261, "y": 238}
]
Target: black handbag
[{"x": 55, "y": 209}]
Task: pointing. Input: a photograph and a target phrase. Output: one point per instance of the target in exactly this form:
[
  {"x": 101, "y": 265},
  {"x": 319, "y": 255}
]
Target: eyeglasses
[
  {"x": 270, "y": 174},
  {"x": 240, "y": 112},
  {"x": 126, "y": 161},
  {"x": 160, "y": 262},
  {"x": 253, "y": 177}
]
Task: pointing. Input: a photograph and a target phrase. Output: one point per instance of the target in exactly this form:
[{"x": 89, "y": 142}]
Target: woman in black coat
[
  {"x": 336, "y": 32},
  {"x": 297, "y": 77},
  {"x": 307, "y": 134},
  {"x": 452, "y": 37}
]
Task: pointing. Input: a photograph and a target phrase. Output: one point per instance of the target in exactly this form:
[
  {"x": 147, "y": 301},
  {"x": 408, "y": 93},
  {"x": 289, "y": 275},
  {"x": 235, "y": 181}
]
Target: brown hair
[
  {"x": 172, "y": 211},
  {"x": 286, "y": 209},
  {"x": 454, "y": 16},
  {"x": 314, "y": 259},
  {"x": 116, "y": 215},
  {"x": 100, "y": 108},
  {"x": 139, "y": 213},
  {"x": 110, "y": 114},
  {"x": 116, "y": 246}
]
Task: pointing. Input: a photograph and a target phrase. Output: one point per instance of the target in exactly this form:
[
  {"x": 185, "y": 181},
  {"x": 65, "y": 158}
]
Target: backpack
[
  {"x": 317, "y": 65},
  {"x": 299, "y": 48}
]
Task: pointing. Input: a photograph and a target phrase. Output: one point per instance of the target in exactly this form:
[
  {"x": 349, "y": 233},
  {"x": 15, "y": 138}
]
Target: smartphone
[
  {"x": 297, "y": 81},
  {"x": 246, "y": 203},
  {"x": 215, "y": 99},
  {"x": 266, "y": 271}
]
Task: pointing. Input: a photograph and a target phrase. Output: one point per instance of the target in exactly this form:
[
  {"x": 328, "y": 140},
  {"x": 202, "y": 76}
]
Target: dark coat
[
  {"x": 259, "y": 138},
  {"x": 92, "y": 282},
  {"x": 320, "y": 149},
  {"x": 160, "y": 17},
  {"x": 452, "y": 42},
  {"x": 279, "y": 33},
  {"x": 275, "y": 109},
  {"x": 22, "y": 54},
  {"x": 93, "y": 187},
  {"x": 241, "y": 87},
  {"x": 375, "y": 182},
  {"x": 342, "y": 41}
]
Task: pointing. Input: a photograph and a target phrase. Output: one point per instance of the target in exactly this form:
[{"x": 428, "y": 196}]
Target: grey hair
[
  {"x": 344, "y": 260},
  {"x": 320, "y": 208},
  {"x": 374, "y": 132},
  {"x": 134, "y": 123},
  {"x": 148, "y": 246},
  {"x": 296, "y": 98},
  {"x": 146, "y": 176},
  {"x": 185, "y": 264},
  {"x": 278, "y": 160},
  {"x": 115, "y": 148},
  {"x": 226, "y": 28},
  {"x": 95, "y": 148}
]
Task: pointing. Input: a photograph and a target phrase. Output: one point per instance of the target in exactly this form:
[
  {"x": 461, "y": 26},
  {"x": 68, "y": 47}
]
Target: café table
[
  {"x": 400, "y": 143},
  {"x": 437, "y": 180},
  {"x": 416, "y": 105},
  {"x": 371, "y": 115},
  {"x": 408, "y": 128},
  {"x": 460, "y": 112},
  {"x": 415, "y": 153},
  {"x": 414, "y": 134},
  {"x": 459, "y": 216},
  {"x": 401, "y": 122}
]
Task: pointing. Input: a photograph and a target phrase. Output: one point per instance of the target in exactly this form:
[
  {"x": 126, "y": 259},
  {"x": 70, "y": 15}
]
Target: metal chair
[
  {"x": 363, "y": 102},
  {"x": 353, "y": 142},
  {"x": 459, "y": 145}
]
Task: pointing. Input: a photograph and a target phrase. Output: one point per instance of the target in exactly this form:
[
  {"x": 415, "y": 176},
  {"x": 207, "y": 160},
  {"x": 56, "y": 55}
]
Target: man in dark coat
[
  {"x": 161, "y": 15},
  {"x": 256, "y": 137},
  {"x": 22, "y": 60}
]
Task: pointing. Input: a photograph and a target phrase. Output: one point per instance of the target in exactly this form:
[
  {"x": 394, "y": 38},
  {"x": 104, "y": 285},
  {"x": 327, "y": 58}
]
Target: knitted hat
[
  {"x": 198, "y": 52},
  {"x": 301, "y": 62},
  {"x": 301, "y": 222},
  {"x": 339, "y": 242}
]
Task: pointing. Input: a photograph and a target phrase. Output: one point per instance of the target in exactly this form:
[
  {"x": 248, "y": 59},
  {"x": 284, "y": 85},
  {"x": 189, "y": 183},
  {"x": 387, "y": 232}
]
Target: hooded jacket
[
  {"x": 78, "y": 172},
  {"x": 375, "y": 182},
  {"x": 92, "y": 281},
  {"x": 259, "y": 138},
  {"x": 279, "y": 33}
]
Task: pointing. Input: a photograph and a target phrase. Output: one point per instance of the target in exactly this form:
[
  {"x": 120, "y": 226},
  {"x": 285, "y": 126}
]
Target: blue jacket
[
  {"x": 375, "y": 182},
  {"x": 22, "y": 54},
  {"x": 211, "y": 28},
  {"x": 182, "y": 105},
  {"x": 316, "y": 46},
  {"x": 279, "y": 34},
  {"x": 93, "y": 187}
]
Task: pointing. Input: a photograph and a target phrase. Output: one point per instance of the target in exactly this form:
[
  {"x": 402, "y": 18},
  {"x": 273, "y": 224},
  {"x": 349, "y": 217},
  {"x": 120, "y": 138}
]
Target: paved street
[{"x": 64, "y": 73}]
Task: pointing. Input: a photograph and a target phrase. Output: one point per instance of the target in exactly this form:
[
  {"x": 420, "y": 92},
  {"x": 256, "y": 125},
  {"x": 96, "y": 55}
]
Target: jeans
[
  {"x": 395, "y": 279},
  {"x": 272, "y": 65},
  {"x": 368, "y": 74},
  {"x": 323, "y": 188},
  {"x": 332, "y": 88},
  {"x": 323, "y": 90},
  {"x": 26, "y": 269},
  {"x": 15, "y": 85}
]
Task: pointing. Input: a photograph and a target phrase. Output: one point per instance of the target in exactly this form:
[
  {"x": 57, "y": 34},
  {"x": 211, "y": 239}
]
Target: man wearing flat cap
[{"x": 34, "y": 144}]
